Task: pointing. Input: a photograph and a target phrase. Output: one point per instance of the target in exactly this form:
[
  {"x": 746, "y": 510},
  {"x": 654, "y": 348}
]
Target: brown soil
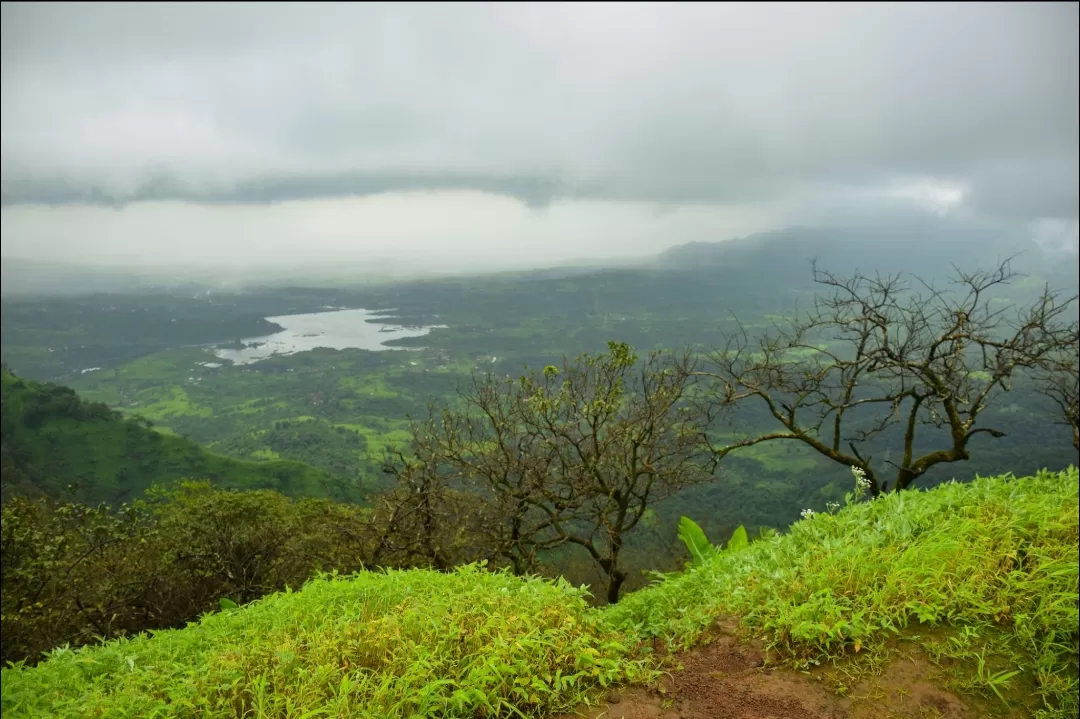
[{"x": 730, "y": 680}]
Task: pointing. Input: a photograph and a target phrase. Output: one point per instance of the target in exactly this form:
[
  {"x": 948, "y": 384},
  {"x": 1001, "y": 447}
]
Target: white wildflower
[
  {"x": 832, "y": 506},
  {"x": 807, "y": 513},
  {"x": 862, "y": 484}
]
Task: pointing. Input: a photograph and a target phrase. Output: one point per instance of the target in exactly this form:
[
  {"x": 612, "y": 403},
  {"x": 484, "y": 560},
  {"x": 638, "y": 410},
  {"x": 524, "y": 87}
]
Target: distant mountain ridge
[
  {"x": 920, "y": 245},
  {"x": 902, "y": 241}
]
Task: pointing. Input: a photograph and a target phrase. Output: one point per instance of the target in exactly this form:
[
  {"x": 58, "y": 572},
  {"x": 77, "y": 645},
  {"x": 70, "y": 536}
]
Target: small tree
[
  {"x": 879, "y": 352},
  {"x": 570, "y": 456}
]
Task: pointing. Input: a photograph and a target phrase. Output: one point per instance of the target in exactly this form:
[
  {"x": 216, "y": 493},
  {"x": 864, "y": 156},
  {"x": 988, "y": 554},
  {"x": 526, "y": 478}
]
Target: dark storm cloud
[{"x": 244, "y": 103}]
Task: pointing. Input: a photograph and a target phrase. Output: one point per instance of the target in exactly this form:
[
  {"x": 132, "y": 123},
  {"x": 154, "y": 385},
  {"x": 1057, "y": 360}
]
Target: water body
[{"x": 340, "y": 329}]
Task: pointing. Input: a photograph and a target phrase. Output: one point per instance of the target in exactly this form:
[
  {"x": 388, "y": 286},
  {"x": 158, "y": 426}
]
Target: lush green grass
[
  {"x": 985, "y": 572},
  {"x": 399, "y": 644},
  {"x": 994, "y": 561}
]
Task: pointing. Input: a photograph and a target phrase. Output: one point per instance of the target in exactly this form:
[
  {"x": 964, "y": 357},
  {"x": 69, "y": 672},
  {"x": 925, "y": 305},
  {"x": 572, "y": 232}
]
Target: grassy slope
[
  {"x": 53, "y": 439},
  {"x": 994, "y": 561},
  {"x": 988, "y": 568}
]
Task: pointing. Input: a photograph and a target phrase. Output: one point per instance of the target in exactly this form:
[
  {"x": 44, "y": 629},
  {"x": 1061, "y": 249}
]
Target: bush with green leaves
[{"x": 74, "y": 573}]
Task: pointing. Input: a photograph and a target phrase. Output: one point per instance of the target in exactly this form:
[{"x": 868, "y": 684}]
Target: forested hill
[{"x": 52, "y": 439}]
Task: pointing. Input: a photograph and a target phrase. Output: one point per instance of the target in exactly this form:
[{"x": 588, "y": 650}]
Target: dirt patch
[
  {"x": 726, "y": 680},
  {"x": 906, "y": 689},
  {"x": 731, "y": 680}
]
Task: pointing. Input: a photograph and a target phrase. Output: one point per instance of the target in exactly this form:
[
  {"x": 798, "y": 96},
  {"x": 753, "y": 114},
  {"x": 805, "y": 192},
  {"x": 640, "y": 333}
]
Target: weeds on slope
[
  {"x": 994, "y": 560},
  {"x": 471, "y": 643},
  {"x": 987, "y": 571}
]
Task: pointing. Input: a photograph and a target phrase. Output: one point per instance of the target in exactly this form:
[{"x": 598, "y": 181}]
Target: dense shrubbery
[
  {"x": 75, "y": 573},
  {"x": 986, "y": 572},
  {"x": 72, "y": 573}
]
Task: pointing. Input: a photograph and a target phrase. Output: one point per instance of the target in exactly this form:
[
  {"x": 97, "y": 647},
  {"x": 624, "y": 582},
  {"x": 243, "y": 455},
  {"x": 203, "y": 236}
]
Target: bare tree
[
  {"x": 880, "y": 352},
  {"x": 571, "y": 456},
  {"x": 1058, "y": 378},
  {"x": 424, "y": 521},
  {"x": 479, "y": 447}
]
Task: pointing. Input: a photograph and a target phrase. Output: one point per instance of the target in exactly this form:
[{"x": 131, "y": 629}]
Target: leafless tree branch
[{"x": 877, "y": 352}]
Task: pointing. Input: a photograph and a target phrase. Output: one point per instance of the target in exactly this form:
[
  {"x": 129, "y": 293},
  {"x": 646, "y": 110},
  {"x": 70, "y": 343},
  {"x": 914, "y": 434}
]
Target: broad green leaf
[
  {"x": 695, "y": 540},
  {"x": 738, "y": 539}
]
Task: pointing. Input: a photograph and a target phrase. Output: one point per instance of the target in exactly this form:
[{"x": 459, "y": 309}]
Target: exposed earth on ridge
[{"x": 728, "y": 679}]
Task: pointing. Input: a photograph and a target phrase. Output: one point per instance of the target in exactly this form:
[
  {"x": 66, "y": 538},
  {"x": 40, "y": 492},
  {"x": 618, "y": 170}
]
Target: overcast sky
[{"x": 226, "y": 133}]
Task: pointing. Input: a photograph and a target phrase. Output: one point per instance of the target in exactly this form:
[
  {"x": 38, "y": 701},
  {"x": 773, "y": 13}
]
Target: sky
[{"x": 486, "y": 135}]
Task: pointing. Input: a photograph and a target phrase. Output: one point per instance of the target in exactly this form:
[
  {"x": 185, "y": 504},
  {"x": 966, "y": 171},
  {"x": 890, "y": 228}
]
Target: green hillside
[
  {"x": 52, "y": 439},
  {"x": 982, "y": 577}
]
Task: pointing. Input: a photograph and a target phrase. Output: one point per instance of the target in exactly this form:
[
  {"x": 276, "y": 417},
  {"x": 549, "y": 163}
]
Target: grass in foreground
[
  {"x": 994, "y": 562},
  {"x": 989, "y": 569},
  {"x": 399, "y": 644}
]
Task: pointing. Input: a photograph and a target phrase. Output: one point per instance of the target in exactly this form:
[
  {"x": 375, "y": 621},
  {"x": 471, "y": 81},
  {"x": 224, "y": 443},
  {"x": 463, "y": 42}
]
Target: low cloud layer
[{"x": 654, "y": 104}]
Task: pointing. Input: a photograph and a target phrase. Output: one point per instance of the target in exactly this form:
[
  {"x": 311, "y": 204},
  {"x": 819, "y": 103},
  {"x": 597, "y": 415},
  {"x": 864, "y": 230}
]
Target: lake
[{"x": 339, "y": 329}]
